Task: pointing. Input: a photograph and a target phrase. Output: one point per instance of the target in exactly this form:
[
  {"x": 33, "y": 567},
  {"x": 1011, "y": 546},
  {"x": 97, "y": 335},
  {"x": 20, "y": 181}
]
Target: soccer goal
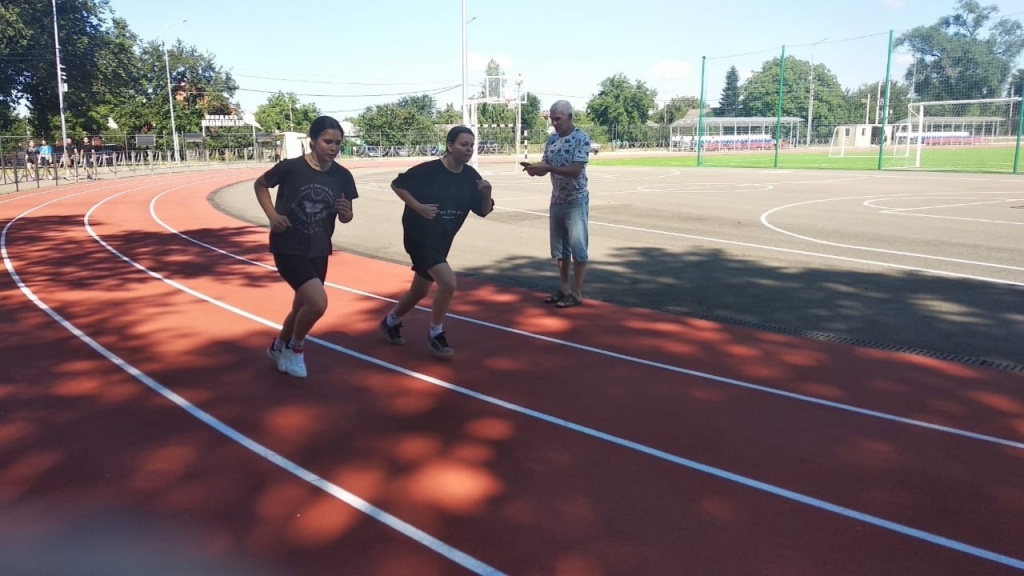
[{"x": 969, "y": 135}]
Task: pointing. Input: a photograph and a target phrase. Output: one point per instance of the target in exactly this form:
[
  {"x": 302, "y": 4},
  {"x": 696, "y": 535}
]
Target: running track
[{"x": 592, "y": 441}]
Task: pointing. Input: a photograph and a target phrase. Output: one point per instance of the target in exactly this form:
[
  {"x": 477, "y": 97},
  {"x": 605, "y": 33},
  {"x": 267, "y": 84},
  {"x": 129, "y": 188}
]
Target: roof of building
[
  {"x": 952, "y": 119},
  {"x": 738, "y": 121}
]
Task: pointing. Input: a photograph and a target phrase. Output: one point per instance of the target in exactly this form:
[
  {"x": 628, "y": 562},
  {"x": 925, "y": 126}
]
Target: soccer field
[{"x": 959, "y": 159}]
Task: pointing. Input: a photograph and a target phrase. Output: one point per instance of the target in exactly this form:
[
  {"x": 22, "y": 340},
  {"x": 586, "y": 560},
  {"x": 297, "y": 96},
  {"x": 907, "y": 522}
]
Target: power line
[
  {"x": 299, "y": 80},
  {"x": 433, "y": 92}
]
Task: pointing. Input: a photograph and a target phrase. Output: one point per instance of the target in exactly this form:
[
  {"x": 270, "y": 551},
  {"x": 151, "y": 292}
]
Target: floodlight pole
[
  {"x": 170, "y": 98},
  {"x": 465, "y": 67},
  {"x": 61, "y": 84},
  {"x": 810, "y": 102},
  {"x": 519, "y": 113}
]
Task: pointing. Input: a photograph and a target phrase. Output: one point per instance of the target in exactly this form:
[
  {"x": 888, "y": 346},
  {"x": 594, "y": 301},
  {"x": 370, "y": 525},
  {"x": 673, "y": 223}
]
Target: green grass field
[{"x": 961, "y": 159}]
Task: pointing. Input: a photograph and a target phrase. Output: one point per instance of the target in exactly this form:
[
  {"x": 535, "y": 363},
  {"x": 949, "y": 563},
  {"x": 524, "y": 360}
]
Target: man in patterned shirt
[{"x": 565, "y": 158}]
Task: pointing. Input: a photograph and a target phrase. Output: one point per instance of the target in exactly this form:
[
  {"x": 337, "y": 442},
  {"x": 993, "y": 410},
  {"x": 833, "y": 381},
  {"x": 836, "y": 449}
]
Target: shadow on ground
[{"x": 956, "y": 319}]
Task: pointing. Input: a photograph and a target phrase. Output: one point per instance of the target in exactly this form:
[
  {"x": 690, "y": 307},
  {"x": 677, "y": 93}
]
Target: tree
[
  {"x": 729, "y": 103},
  {"x": 534, "y": 124},
  {"x": 283, "y": 112},
  {"x": 952, "y": 59},
  {"x": 422, "y": 104},
  {"x": 621, "y": 106},
  {"x": 1015, "y": 87},
  {"x": 865, "y": 100},
  {"x": 676, "y": 108},
  {"x": 199, "y": 86},
  {"x": 97, "y": 52},
  {"x": 449, "y": 115},
  {"x": 760, "y": 93},
  {"x": 394, "y": 125}
]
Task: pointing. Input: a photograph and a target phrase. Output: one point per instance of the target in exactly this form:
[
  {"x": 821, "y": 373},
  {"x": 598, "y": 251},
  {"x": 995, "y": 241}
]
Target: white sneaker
[
  {"x": 295, "y": 364},
  {"x": 278, "y": 357}
]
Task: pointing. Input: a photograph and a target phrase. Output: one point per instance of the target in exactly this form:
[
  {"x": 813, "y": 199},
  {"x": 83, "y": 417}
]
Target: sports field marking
[
  {"x": 784, "y": 250},
  {"x": 910, "y": 211},
  {"x": 765, "y": 216},
  {"x": 591, "y": 432},
  {"x": 617, "y": 355},
  {"x": 438, "y": 546}
]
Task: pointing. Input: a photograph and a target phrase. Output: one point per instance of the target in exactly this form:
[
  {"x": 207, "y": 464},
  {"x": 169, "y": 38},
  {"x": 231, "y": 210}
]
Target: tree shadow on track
[
  {"x": 81, "y": 441},
  {"x": 962, "y": 320},
  {"x": 67, "y": 254}
]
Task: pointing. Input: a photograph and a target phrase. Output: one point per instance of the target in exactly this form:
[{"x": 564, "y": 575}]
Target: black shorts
[
  {"x": 297, "y": 270},
  {"x": 425, "y": 257}
]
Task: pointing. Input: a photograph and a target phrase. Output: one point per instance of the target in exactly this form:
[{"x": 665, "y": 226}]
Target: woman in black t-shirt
[
  {"x": 438, "y": 196},
  {"x": 311, "y": 190},
  {"x": 32, "y": 159}
]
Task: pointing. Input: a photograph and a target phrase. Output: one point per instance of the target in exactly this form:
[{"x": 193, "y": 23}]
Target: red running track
[{"x": 138, "y": 413}]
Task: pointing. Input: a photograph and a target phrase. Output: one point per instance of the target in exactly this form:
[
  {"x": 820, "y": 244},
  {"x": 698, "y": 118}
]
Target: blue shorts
[{"x": 569, "y": 235}]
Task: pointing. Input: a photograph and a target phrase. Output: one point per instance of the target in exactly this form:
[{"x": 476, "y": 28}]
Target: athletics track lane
[{"x": 532, "y": 496}]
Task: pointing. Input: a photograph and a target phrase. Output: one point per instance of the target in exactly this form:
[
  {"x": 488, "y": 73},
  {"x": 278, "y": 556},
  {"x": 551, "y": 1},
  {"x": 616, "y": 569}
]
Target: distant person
[
  {"x": 32, "y": 159},
  {"x": 87, "y": 156},
  {"x": 438, "y": 196},
  {"x": 68, "y": 157},
  {"x": 45, "y": 157},
  {"x": 565, "y": 158},
  {"x": 312, "y": 190}
]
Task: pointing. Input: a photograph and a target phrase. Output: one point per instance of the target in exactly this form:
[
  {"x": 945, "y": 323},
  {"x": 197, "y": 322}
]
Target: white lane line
[
  {"x": 784, "y": 250},
  {"x": 594, "y": 433},
  {"x": 765, "y": 216},
  {"x": 619, "y": 356},
  {"x": 438, "y": 546}
]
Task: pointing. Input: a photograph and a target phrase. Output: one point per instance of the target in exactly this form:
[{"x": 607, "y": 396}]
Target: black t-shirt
[
  {"x": 307, "y": 196},
  {"x": 71, "y": 152},
  {"x": 455, "y": 193}
]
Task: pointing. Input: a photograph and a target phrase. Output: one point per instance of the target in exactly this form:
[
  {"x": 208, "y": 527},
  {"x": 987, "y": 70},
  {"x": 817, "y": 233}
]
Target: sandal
[
  {"x": 569, "y": 301},
  {"x": 555, "y": 298}
]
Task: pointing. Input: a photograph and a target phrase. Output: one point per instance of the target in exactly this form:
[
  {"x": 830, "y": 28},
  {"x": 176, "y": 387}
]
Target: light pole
[
  {"x": 61, "y": 85},
  {"x": 465, "y": 67},
  {"x": 810, "y": 101},
  {"x": 519, "y": 113},
  {"x": 170, "y": 98}
]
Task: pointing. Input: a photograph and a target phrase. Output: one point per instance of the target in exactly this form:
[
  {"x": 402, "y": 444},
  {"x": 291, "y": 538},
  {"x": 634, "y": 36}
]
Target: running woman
[{"x": 311, "y": 191}]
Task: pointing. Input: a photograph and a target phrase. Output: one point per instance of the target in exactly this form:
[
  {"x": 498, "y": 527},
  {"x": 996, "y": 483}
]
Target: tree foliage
[
  {"x": 675, "y": 109},
  {"x": 954, "y": 61},
  {"x": 729, "y": 102},
  {"x": 760, "y": 93},
  {"x": 283, "y": 112},
  {"x": 396, "y": 124},
  {"x": 622, "y": 102},
  {"x": 111, "y": 75}
]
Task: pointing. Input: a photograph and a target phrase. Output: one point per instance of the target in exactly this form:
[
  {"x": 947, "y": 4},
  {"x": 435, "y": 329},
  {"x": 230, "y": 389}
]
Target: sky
[{"x": 344, "y": 56}]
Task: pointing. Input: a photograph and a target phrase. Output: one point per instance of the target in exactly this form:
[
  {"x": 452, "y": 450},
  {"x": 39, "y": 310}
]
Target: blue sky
[{"x": 344, "y": 56}]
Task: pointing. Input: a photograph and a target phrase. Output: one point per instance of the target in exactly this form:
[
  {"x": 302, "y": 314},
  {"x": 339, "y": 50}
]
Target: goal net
[{"x": 967, "y": 135}]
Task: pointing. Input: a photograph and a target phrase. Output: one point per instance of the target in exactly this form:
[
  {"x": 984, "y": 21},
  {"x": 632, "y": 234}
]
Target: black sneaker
[
  {"x": 439, "y": 346},
  {"x": 394, "y": 333}
]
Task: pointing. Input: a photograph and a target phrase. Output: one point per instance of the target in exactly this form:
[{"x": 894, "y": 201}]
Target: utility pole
[{"x": 62, "y": 85}]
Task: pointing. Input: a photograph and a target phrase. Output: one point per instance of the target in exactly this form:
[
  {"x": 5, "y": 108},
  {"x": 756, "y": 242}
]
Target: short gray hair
[{"x": 563, "y": 106}]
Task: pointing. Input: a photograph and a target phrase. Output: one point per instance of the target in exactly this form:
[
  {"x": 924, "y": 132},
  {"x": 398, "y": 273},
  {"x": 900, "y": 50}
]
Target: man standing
[
  {"x": 565, "y": 158},
  {"x": 87, "y": 157}
]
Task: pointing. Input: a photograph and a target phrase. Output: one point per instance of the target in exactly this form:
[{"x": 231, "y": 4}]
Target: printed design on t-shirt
[
  {"x": 563, "y": 151},
  {"x": 450, "y": 213},
  {"x": 313, "y": 208}
]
